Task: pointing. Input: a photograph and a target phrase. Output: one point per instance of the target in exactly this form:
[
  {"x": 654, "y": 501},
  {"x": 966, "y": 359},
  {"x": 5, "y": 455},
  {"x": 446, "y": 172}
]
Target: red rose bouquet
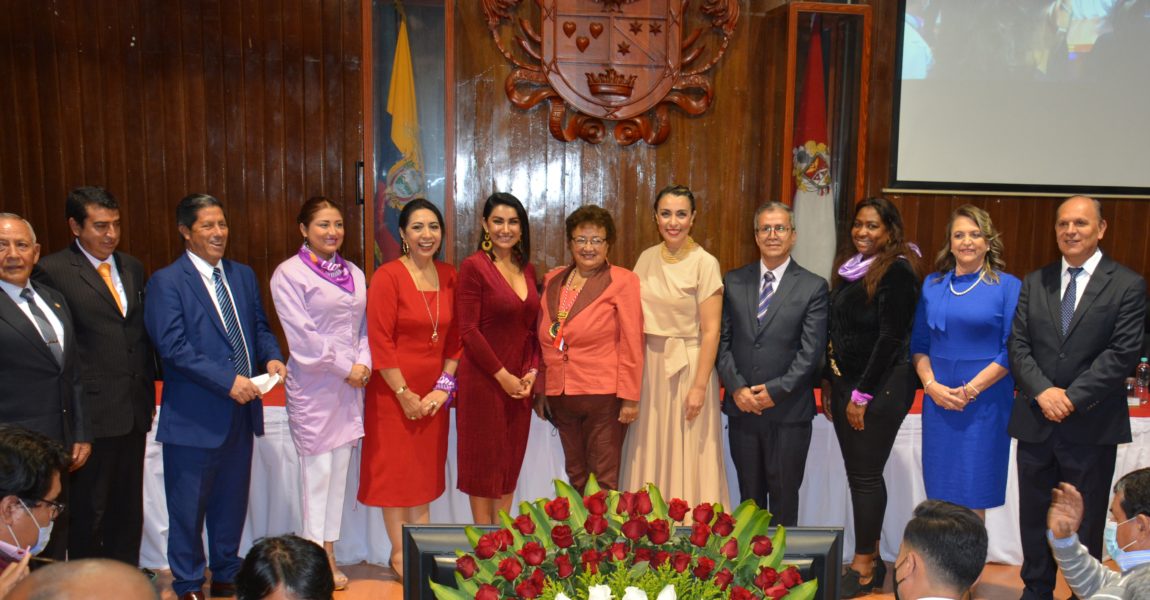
[{"x": 626, "y": 546}]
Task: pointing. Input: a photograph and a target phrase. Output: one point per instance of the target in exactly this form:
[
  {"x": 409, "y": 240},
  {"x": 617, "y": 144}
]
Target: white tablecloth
[{"x": 825, "y": 501}]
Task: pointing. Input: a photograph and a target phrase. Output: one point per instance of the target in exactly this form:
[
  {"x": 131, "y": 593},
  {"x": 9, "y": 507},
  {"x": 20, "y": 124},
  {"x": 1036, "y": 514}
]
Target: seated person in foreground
[
  {"x": 286, "y": 567},
  {"x": 1127, "y": 539},
  {"x": 91, "y": 579},
  {"x": 942, "y": 554}
]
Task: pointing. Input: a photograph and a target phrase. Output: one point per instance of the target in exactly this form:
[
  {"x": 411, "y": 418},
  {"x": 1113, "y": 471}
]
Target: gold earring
[
  {"x": 486, "y": 243},
  {"x": 405, "y": 248}
]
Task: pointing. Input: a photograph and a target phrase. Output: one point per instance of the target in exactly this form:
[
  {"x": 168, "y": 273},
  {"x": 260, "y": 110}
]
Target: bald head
[
  {"x": 90, "y": 579},
  {"x": 1079, "y": 227}
]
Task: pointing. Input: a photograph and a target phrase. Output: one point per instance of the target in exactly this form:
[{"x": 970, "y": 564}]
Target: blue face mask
[
  {"x": 1110, "y": 539},
  {"x": 42, "y": 537}
]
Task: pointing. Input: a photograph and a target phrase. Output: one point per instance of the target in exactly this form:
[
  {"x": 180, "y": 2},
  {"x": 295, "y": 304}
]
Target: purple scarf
[
  {"x": 856, "y": 267},
  {"x": 334, "y": 270}
]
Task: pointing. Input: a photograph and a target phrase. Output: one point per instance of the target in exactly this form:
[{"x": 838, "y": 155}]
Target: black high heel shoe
[{"x": 853, "y": 585}]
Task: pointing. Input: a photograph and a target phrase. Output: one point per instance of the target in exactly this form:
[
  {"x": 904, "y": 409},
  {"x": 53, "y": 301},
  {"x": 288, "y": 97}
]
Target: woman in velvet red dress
[
  {"x": 497, "y": 306},
  {"x": 414, "y": 341}
]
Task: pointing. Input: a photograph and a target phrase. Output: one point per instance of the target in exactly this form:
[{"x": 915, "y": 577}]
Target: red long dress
[
  {"x": 497, "y": 330},
  {"x": 403, "y": 460}
]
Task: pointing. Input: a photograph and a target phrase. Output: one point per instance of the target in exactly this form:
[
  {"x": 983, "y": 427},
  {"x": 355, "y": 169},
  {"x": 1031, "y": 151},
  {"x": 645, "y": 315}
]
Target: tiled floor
[{"x": 373, "y": 582}]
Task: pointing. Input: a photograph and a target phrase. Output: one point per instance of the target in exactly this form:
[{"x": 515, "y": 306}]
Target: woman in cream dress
[{"x": 677, "y": 441}]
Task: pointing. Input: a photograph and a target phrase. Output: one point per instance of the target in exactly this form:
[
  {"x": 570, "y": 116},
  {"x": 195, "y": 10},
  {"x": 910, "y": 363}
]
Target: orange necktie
[{"x": 105, "y": 270}]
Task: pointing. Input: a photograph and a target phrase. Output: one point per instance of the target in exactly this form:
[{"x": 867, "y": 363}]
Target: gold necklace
[
  {"x": 678, "y": 255},
  {"x": 434, "y": 320}
]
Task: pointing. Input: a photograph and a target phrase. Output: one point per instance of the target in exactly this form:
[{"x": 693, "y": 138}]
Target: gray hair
[
  {"x": 7, "y": 216},
  {"x": 773, "y": 206}
]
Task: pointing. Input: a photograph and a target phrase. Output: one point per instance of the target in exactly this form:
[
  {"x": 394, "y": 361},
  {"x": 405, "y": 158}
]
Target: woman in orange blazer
[{"x": 591, "y": 333}]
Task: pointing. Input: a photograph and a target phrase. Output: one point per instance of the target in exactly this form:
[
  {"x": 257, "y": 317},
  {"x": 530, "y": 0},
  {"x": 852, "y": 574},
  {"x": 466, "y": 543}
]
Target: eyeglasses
[
  {"x": 55, "y": 507},
  {"x": 780, "y": 230},
  {"x": 595, "y": 242}
]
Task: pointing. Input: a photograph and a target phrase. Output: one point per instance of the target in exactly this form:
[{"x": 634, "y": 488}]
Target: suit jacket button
[
  {"x": 1062, "y": 355},
  {"x": 757, "y": 346},
  {"x": 564, "y": 358}
]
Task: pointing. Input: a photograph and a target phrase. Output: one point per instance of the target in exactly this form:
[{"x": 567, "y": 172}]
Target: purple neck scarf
[
  {"x": 856, "y": 268},
  {"x": 334, "y": 270}
]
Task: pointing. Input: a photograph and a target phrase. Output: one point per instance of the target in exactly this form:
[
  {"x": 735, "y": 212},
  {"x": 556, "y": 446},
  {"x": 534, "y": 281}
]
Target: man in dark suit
[
  {"x": 38, "y": 377},
  {"x": 1076, "y": 337},
  {"x": 105, "y": 290},
  {"x": 207, "y": 323},
  {"x": 773, "y": 336}
]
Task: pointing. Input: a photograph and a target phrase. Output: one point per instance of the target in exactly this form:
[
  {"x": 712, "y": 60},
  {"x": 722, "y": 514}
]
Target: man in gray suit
[
  {"x": 1076, "y": 336},
  {"x": 105, "y": 290},
  {"x": 771, "y": 344}
]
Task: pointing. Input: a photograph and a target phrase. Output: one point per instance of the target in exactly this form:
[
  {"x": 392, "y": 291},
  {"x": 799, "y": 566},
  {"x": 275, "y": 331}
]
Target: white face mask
[{"x": 44, "y": 533}]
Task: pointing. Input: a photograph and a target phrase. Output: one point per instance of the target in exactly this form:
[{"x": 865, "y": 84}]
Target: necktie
[
  {"x": 232, "y": 326},
  {"x": 44, "y": 325},
  {"x": 105, "y": 270},
  {"x": 765, "y": 294},
  {"x": 1068, "y": 298}
]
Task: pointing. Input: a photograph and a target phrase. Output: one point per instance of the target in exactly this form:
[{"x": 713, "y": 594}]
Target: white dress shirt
[
  {"x": 205, "y": 271},
  {"x": 13, "y": 291},
  {"x": 1083, "y": 278}
]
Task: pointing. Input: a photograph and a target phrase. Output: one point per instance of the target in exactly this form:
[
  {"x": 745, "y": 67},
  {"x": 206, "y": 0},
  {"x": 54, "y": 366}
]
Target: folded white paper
[{"x": 266, "y": 382}]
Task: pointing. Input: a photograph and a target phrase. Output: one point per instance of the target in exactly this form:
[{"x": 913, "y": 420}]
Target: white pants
[{"x": 323, "y": 481}]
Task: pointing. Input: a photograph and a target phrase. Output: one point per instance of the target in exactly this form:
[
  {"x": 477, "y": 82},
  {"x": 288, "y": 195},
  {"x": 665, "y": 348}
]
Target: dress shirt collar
[
  {"x": 1089, "y": 266},
  {"x": 14, "y": 290},
  {"x": 111, "y": 260},
  {"x": 204, "y": 268},
  {"x": 778, "y": 271}
]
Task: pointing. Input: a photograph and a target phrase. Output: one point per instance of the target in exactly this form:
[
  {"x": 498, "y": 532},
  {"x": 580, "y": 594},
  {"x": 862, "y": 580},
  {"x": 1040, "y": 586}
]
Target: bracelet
[
  {"x": 533, "y": 372},
  {"x": 446, "y": 383},
  {"x": 860, "y": 398},
  {"x": 402, "y": 389},
  {"x": 927, "y": 384},
  {"x": 976, "y": 390}
]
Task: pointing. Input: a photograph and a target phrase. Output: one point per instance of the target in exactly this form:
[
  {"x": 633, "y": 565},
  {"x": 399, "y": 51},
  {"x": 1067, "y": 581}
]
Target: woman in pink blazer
[{"x": 591, "y": 333}]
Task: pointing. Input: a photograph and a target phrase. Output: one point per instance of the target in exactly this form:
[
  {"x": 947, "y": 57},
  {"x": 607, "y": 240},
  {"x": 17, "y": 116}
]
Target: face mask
[
  {"x": 894, "y": 577},
  {"x": 41, "y": 538},
  {"x": 1110, "y": 538}
]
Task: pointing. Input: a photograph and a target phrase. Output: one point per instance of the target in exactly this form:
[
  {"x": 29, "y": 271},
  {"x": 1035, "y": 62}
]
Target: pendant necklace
[
  {"x": 566, "y": 302},
  {"x": 434, "y": 320},
  {"x": 967, "y": 290}
]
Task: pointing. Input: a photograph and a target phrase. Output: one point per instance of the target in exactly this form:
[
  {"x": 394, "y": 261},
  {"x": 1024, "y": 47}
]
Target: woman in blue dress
[{"x": 959, "y": 348}]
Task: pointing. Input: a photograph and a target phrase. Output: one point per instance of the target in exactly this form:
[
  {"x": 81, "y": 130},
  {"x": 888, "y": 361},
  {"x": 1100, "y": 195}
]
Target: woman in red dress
[
  {"x": 497, "y": 306},
  {"x": 414, "y": 342}
]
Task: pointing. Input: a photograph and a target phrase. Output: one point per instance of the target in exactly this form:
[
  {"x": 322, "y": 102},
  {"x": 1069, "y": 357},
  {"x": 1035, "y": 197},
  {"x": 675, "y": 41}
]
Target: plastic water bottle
[{"x": 1142, "y": 380}]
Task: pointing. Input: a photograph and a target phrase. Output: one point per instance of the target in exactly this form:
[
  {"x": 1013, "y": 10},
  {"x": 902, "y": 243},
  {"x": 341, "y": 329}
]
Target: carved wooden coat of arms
[{"x": 626, "y": 61}]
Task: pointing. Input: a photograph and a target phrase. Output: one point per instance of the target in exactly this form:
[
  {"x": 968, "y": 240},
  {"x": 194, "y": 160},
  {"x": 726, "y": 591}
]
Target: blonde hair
[{"x": 944, "y": 261}]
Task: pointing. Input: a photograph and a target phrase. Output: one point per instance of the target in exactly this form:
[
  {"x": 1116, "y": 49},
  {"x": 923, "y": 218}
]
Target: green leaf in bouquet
[
  {"x": 592, "y": 486},
  {"x": 467, "y": 586},
  {"x": 756, "y": 524},
  {"x": 778, "y": 547},
  {"x": 473, "y": 535},
  {"x": 443, "y": 592},
  {"x": 803, "y": 591},
  {"x": 509, "y": 524},
  {"x": 658, "y": 505},
  {"x": 542, "y": 521},
  {"x": 578, "y": 511}
]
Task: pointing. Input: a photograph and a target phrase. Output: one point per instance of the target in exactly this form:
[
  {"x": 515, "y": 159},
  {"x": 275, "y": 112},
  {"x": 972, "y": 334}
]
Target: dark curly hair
[{"x": 590, "y": 214}]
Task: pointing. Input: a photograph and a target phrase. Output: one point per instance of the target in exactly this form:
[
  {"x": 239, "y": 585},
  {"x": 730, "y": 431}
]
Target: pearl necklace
[{"x": 967, "y": 290}]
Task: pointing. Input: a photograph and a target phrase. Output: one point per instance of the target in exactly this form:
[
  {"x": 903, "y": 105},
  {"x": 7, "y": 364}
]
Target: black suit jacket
[
  {"x": 36, "y": 392},
  {"x": 116, "y": 364},
  {"x": 785, "y": 352},
  {"x": 1091, "y": 362}
]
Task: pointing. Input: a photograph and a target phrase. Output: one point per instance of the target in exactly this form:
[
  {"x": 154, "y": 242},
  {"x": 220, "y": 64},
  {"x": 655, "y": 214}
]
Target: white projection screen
[{"x": 1024, "y": 96}]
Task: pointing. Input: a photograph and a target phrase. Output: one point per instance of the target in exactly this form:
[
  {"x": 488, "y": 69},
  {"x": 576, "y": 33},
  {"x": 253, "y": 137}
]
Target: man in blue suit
[{"x": 207, "y": 322}]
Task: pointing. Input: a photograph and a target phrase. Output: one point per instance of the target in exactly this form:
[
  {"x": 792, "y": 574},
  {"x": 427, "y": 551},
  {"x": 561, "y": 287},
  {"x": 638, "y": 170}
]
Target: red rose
[
  {"x": 642, "y": 503},
  {"x": 704, "y": 568},
  {"x": 487, "y": 592},
  {"x": 724, "y": 525},
  {"x": 618, "y": 551},
  {"x": 740, "y": 593},
  {"x": 678, "y": 509},
  {"x": 539, "y": 577},
  {"x": 626, "y": 503},
  {"x": 524, "y": 524},
  {"x": 563, "y": 563},
  {"x": 486, "y": 546},
  {"x": 643, "y": 554},
  {"x": 530, "y": 587},
  {"x": 790, "y": 577},
  {"x": 658, "y": 531},
  {"x": 775, "y": 592},
  {"x": 703, "y": 513},
  {"x": 504, "y": 538},
  {"x": 591, "y": 560},
  {"x": 680, "y": 561},
  {"x": 730, "y": 549},
  {"x": 766, "y": 577},
  {"x": 466, "y": 566},
  {"x": 596, "y": 503},
  {"x": 558, "y": 509},
  {"x": 723, "y": 578},
  {"x": 562, "y": 537},
  {"x": 509, "y": 568},
  {"x": 700, "y": 533},
  {"x": 660, "y": 557},
  {"x": 533, "y": 553},
  {"x": 761, "y": 545},
  {"x": 595, "y": 524},
  {"x": 635, "y": 528}
]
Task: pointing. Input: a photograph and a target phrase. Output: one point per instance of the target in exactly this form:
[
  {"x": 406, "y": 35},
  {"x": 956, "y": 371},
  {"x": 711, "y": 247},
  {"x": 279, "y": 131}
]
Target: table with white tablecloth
[{"x": 825, "y": 500}]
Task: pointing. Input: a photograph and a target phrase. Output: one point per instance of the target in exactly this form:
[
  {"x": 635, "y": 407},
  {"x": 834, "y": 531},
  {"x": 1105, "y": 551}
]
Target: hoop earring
[
  {"x": 405, "y": 248},
  {"x": 486, "y": 243}
]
